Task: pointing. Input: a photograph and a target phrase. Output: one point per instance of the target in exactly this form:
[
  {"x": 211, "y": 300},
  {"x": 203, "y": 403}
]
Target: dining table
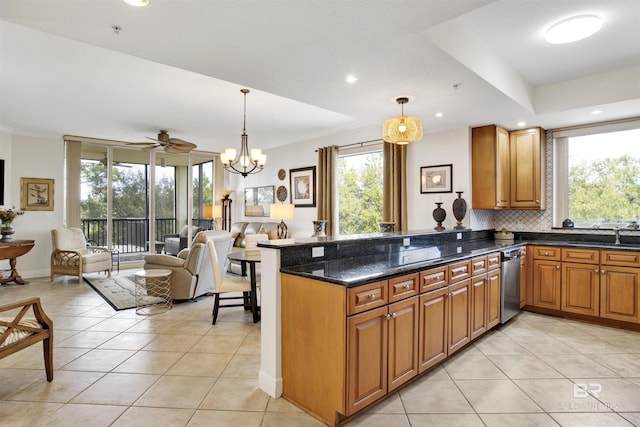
[{"x": 249, "y": 258}]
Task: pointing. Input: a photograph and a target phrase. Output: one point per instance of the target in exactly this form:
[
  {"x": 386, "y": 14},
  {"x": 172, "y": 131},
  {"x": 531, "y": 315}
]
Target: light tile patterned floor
[{"x": 176, "y": 369}]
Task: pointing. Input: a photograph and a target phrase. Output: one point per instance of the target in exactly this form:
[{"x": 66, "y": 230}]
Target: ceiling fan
[{"x": 169, "y": 145}]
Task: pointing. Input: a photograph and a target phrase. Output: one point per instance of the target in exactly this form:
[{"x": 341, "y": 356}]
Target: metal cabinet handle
[
  {"x": 371, "y": 297},
  {"x": 596, "y": 270},
  {"x": 603, "y": 271},
  {"x": 390, "y": 316},
  {"x": 557, "y": 267},
  {"x": 546, "y": 253},
  {"x": 406, "y": 287}
]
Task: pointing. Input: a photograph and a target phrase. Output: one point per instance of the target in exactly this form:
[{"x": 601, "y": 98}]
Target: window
[
  {"x": 597, "y": 177},
  {"x": 360, "y": 192}
]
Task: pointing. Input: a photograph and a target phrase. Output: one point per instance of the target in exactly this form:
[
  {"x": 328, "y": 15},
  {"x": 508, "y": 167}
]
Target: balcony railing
[{"x": 131, "y": 235}]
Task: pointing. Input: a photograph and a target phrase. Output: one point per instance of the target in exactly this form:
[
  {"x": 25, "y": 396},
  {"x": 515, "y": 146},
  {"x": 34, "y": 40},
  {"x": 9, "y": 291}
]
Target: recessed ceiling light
[
  {"x": 573, "y": 29},
  {"x": 351, "y": 79},
  {"x": 522, "y": 124},
  {"x": 596, "y": 112},
  {"x": 138, "y": 3},
  {"x": 439, "y": 114}
]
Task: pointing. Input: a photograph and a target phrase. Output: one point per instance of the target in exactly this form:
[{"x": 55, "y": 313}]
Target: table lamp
[
  {"x": 282, "y": 211},
  {"x": 213, "y": 212}
]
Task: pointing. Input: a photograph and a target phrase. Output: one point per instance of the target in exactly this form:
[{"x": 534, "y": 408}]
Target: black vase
[
  {"x": 459, "y": 210},
  {"x": 439, "y": 215}
]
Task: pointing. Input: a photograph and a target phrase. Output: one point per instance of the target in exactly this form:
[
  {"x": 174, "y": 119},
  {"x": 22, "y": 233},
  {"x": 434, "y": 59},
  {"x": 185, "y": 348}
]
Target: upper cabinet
[{"x": 508, "y": 168}]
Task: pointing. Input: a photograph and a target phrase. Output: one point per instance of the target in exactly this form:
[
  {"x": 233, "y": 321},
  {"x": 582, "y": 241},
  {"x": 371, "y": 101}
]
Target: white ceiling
[{"x": 180, "y": 65}]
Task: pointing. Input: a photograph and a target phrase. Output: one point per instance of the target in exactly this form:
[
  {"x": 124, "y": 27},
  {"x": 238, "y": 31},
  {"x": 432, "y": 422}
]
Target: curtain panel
[
  {"x": 394, "y": 187},
  {"x": 327, "y": 192}
]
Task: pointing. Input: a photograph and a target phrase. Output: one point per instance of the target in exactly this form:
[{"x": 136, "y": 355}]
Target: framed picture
[
  {"x": 436, "y": 179},
  {"x": 36, "y": 194},
  {"x": 303, "y": 187},
  {"x": 258, "y": 200}
]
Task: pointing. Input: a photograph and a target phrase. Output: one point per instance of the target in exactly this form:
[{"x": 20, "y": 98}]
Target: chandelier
[
  {"x": 248, "y": 161},
  {"x": 402, "y": 130}
]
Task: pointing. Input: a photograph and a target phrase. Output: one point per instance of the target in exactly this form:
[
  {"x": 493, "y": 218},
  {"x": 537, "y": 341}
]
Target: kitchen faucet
[{"x": 617, "y": 231}]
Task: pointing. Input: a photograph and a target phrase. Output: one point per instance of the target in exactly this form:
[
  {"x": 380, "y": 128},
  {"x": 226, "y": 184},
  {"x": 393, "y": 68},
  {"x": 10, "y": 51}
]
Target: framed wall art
[
  {"x": 436, "y": 179},
  {"x": 36, "y": 194},
  {"x": 258, "y": 200},
  {"x": 303, "y": 186}
]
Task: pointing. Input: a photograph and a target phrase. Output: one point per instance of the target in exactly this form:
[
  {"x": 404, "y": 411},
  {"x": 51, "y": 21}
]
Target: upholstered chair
[
  {"x": 174, "y": 243},
  {"x": 192, "y": 274},
  {"x": 72, "y": 257},
  {"x": 226, "y": 285}
]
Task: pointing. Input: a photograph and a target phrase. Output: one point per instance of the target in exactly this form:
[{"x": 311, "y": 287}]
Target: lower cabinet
[
  {"x": 620, "y": 293},
  {"x": 546, "y": 284},
  {"x": 479, "y": 314},
  {"x": 445, "y": 323},
  {"x": 580, "y": 290},
  {"x": 382, "y": 352},
  {"x": 493, "y": 298}
]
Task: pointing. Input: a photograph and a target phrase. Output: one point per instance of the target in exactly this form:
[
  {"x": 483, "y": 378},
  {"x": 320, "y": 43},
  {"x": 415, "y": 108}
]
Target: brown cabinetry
[
  {"x": 580, "y": 290},
  {"x": 526, "y": 150},
  {"x": 546, "y": 284},
  {"x": 524, "y": 271},
  {"x": 620, "y": 293},
  {"x": 493, "y": 298},
  {"x": 507, "y": 168}
]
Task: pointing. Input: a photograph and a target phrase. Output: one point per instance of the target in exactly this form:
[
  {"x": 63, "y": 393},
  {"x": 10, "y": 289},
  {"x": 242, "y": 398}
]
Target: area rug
[{"x": 117, "y": 290}]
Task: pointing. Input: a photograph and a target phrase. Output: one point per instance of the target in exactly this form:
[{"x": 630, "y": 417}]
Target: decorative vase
[
  {"x": 459, "y": 210},
  {"x": 386, "y": 226},
  {"x": 7, "y": 231},
  {"x": 319, "y": 228},
  {"x": 439, "y": 215}
]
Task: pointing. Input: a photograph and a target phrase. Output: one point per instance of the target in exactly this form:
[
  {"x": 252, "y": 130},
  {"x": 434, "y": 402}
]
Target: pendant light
[
  {"x": 248, "y": 161},
  {"x": 404, "y": 129}
]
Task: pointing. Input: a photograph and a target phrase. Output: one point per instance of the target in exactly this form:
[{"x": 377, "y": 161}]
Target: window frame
[{"x": 561, "y": 166}]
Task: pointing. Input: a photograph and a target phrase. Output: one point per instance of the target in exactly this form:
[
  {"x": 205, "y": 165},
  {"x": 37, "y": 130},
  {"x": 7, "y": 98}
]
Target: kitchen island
[{"x": 368, "y": 313}]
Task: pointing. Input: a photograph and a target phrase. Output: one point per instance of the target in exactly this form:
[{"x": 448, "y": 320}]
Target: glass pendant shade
[{"x": 404, "y": 129}]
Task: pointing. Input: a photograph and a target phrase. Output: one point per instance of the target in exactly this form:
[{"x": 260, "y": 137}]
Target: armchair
[
  {"x": 174, "y": 243},
  {"x": 71, "y": 256},
  {"x": 192, "y": 273}
]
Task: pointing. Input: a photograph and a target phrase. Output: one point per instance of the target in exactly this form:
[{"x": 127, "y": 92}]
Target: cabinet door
[
  {"x": 478, "y": 305},
  {"x": 620, "y": 293},
  {"x": 502, "y": 172},
  {"x": 403, "y": 287},
  {"x": 432, "y": 341},
  {"x": 403, "y": 342},
  {"x": 367, "y": 340},
  {"x": 493, "y": 298},
  {"x": 546, "y": 284},
  {"x": 459, "y": 322},
  {"x": 525, "y": 150},
  {"x": 580, "y": 288}
]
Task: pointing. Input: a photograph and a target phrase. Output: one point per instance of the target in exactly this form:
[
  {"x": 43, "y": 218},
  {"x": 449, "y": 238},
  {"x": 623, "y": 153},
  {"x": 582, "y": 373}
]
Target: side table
[{"x": 153, "y": 291}]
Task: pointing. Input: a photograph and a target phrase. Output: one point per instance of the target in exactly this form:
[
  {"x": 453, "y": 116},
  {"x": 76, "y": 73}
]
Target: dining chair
[{"x": 226, "y": 285}]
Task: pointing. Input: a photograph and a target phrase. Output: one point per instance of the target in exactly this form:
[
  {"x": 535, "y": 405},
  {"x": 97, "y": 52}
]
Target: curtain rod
[{"x": 361, "y": 143}]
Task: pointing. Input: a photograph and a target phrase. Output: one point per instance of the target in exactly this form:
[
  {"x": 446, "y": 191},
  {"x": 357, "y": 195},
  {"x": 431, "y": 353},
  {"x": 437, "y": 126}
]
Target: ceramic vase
[
  {"x": 7, "y": 231},
  {"x": 459, "y": 210},
  {"x": 439, "y": 215},
  {"x": 319, "y": 228}
]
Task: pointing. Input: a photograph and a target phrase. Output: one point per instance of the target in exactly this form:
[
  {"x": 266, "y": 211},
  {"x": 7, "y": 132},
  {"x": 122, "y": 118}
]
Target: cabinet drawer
[
  {"x": 479, "y": 265},
  {"x": 403, "y": 287},
  {"x": 546, "y": 252},
  {"x": 493, "y": 261},
  {"x": 582, "y": 256},
  {"x": 433, "y": 279},
  {"x": 459, "y": 271},
  {"x": 621, "y": 258},
  {"x": 366, "y": 297}
]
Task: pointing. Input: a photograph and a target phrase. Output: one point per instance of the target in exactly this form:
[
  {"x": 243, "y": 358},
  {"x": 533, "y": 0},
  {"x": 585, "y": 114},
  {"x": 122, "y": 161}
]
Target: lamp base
[{"x": 282, "y": 230}]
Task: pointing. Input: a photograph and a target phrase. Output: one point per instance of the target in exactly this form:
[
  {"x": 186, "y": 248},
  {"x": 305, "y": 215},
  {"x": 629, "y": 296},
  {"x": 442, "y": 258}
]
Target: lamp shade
[
  {"x": 282, "y": 211},
  {"x": 207, "y": 211},
  {"x": 402, "y": 130},
  {"x": 216, "y": 211}
]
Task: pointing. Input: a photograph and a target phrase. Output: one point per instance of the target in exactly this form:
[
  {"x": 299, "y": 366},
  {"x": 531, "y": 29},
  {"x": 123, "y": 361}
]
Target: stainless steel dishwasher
[{"x": 510, "y": 284}]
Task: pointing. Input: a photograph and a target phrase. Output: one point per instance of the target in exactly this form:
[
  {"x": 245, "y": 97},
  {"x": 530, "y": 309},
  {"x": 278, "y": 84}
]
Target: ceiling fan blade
[
  {"x": 182, "y": 143},
  {"x": 144, "y": 144}
]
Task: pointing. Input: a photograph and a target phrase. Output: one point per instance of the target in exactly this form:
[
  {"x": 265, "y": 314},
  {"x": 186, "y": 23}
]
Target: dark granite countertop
[{"x": 356, "y": 271}]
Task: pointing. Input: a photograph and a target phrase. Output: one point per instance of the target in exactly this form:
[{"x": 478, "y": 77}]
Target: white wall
[
  {"x": 449, "y": 147},
  {"x": 33, "y": 157}
]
